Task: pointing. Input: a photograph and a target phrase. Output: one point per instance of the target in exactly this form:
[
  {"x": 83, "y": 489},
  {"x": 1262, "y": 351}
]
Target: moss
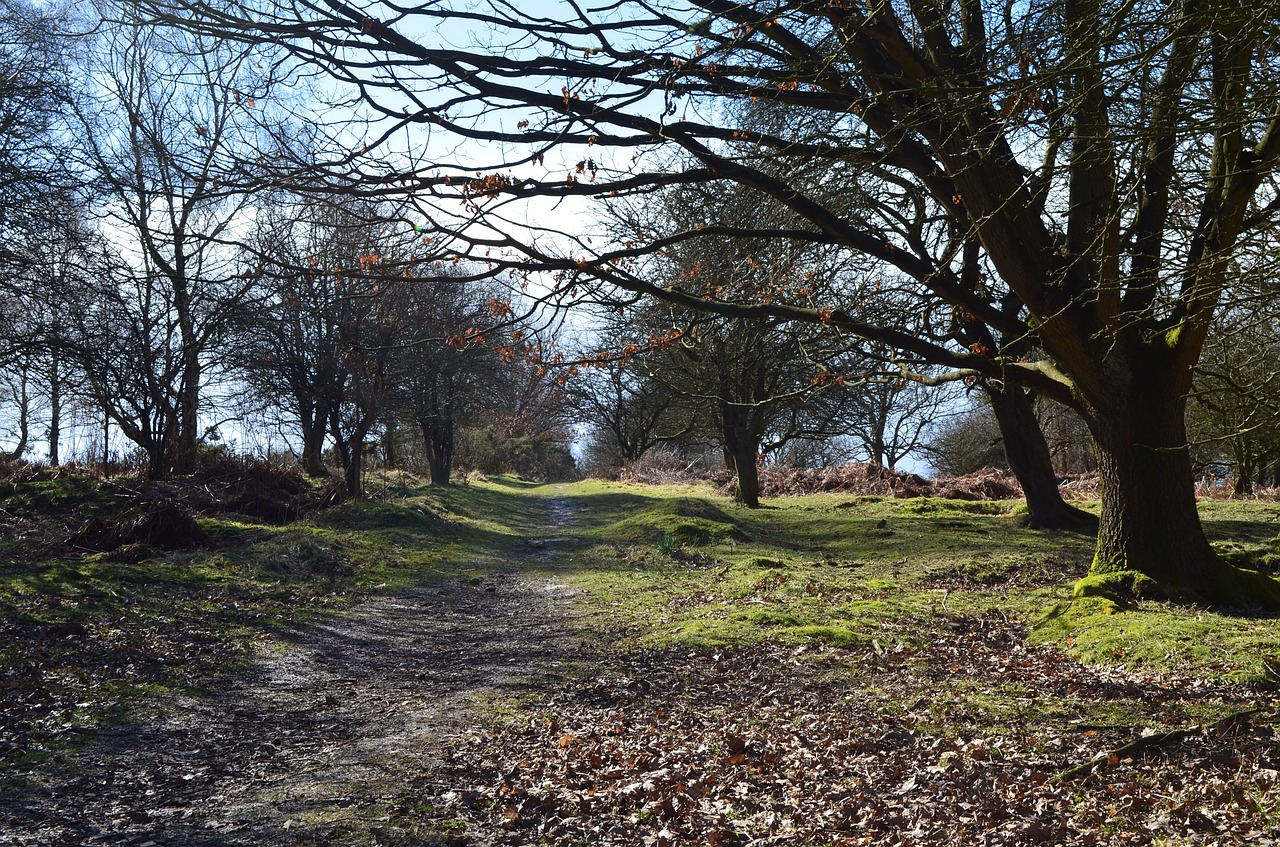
[
  {"x": 836, "y": 636},
  {"x": 1243, "y": 588},
  {"x": 697, "y": 532},
  {"x": 1123, "y": 587},
  {"x": 766, "y": 617},
  {"x": 762, "y": 563}
]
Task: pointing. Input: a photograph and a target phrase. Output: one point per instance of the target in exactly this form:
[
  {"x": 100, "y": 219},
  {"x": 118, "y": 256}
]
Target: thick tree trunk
[
  {"x": 314, "y": 420},
  {"x": 313, "y": 452},
  {"x": 743, "y": 450},
  {"x": 1244, "y": 472},
  {"x": 157, "y": 459},
  {"x": 1032, "y": 463},
  {"x": 748, "y": 482},
  {"x": 730, "y": 463},
  {"x": 1149, "y": 518},
  {"x": 1150, "y": 525}
]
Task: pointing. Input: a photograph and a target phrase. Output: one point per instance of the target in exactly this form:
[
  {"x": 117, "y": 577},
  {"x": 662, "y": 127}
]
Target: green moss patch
[{"x": 1118, "y": 586}]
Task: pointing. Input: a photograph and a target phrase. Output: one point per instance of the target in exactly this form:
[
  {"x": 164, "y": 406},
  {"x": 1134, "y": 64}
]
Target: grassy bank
[
  {"x": 88, "y": 637},
  {"x": 679, "y": 566}
]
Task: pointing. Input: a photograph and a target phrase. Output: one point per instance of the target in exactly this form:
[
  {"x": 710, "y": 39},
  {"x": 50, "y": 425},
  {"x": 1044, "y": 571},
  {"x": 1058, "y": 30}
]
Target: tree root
[{"x": 1230, "y": 724}]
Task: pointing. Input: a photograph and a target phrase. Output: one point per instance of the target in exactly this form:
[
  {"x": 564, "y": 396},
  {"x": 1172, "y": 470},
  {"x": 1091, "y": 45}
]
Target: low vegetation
[{"x": 826, "y": 669}]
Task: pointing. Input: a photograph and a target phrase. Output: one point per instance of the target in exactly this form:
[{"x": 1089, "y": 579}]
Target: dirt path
[{"x": 327, "y": 737}]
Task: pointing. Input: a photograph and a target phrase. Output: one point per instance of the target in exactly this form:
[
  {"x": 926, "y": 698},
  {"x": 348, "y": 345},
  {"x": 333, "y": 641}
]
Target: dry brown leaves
[
  {"x": 872, "y": 480},
  {"x": 775, "y": 745}
]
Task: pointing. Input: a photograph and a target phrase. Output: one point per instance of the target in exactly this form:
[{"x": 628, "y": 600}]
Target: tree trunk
[
  {"x": 351, "y": 474},
  {"x": 347, "y": 450},
  {"x": 313, "y": 452},
  {"x": 313, "y": 420},
  {"x": 743, "y": 450},
  {"x": 1150, "y": 526},
  {"x": 730, "y": 463},
  {"x": 24, "y": 418},
  {"x": 106, "y": 443},
  {"x": 157, "y": 458},
  {"x": 1244, "y": 473},
  {"x": 55, "y": 410},
  {"x": 748, "y": 482},
  {"x": 1032, "y": 463},
  {"x": 186, "y": 438},
  {"x": 437, "y": 439}
]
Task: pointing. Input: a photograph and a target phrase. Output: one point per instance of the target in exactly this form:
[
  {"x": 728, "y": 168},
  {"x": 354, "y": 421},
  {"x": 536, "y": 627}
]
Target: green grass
[
  {"x": 85, "y": 636},
  {"x": 655, "y": 568},
  {"x": 847, "y": 571}
]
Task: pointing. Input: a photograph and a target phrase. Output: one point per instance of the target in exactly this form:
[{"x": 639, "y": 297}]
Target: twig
[
  {"x": 1230, "y": 723},
  {"x": 1135, "y": 746}
]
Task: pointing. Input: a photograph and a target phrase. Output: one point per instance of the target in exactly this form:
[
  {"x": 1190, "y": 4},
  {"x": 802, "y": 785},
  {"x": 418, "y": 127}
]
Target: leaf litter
[
  {"x": 774, "y": 744},
  {"x": 358, "y": 729}
]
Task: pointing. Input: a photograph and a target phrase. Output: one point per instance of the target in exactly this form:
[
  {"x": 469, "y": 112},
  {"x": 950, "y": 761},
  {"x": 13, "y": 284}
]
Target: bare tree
[
  {"x": 316, "y": 337},
  {"x": 1235, "y": 405},
  {"x": 167, "y": 130},
  {"x": 892, "y": 417},
  {"x": 455, "y": 354},
  {"x": 35, "y": 88}
]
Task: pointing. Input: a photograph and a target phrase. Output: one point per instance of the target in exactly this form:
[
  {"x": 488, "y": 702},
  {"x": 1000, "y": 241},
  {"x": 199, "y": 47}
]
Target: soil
[{"x": 324, "y": 736}]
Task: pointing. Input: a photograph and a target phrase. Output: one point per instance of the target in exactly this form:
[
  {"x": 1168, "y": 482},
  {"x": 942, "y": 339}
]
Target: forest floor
[{"x": 610, "y": 665}]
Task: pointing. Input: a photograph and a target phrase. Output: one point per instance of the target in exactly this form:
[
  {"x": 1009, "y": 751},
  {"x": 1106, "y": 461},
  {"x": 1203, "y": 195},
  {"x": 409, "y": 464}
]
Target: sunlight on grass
[{"x": 847, "y": 571}]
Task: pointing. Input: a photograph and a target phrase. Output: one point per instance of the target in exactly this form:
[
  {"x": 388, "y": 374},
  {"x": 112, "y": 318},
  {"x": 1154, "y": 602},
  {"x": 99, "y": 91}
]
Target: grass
[
  {"x": 84, "y": 638},
  {"x": 920, "y": 616},
  {"x": 825, "y": 568},
  {"x": 848, "y": 571},
  {"x": 656, "y": 568}
]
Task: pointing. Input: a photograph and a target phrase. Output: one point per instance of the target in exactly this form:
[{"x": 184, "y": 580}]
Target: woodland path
[{"x": 326, "y": 738}]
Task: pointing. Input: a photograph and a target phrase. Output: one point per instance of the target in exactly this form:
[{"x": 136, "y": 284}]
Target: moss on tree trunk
[{"x": 1150, "y": 538}]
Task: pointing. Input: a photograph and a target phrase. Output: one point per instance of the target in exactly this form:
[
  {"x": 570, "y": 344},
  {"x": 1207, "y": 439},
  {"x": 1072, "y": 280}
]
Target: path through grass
[{"x": 825, "y": 670}]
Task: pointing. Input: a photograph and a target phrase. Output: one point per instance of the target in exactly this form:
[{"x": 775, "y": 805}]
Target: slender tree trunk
[
  {"x": 390, "y": 449},
  {"x": 352, "y": 473},
  {"x": 24, "y": 418},
  {"x": 55, "y": 410},
  {"x": 350, "y": 446},
  {"x": 106, "y": 443},
  {"x": 1032, "y": 463},
  {"x": 342, "y": 448},
  {"x": 186, "y": 437}
]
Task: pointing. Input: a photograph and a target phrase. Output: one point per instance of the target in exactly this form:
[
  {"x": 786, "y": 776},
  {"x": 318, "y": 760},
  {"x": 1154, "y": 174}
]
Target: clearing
[{"x": 505, "y": 663}]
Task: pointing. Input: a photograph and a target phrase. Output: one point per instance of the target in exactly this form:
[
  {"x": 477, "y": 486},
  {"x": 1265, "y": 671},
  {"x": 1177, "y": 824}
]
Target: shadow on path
[{"x": 323, "y": 735}]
